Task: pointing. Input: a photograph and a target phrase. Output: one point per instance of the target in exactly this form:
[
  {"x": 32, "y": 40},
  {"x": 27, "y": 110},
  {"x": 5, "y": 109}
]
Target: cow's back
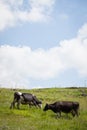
[
  {"x": 27, "y": 96},
  {"x": 67, "y": 106}
]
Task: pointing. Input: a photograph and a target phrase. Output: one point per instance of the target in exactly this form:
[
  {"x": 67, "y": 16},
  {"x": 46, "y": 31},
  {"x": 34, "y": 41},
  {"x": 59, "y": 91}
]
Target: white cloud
[
  {"x": 18, "y": 65},
  {"x": 14, "y": 11},
  {"x": 6, "y": 16},
  {"x": 13, "y": 2},
  {"x": 74, "y": 51},
  {"x": 82, "y": 33}
]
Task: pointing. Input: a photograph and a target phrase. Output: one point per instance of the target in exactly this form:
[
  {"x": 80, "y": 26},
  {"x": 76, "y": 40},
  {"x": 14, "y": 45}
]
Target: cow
[
  {"x": 63, "y": 106},
  {"x": 25, "y": 98}
]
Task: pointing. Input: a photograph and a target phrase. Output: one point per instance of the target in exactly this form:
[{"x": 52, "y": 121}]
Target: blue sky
[{"x": 43, "y": 43}]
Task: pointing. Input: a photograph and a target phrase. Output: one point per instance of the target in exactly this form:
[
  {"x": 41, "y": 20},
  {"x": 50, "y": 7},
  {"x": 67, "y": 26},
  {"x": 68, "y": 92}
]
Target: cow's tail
[
  {"x": 17, "y": 95},
  {"x": 76, "y": 107}
]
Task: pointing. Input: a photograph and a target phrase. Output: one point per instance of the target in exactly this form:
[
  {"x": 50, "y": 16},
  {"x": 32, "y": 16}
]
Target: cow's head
[
  {"x": 46, "y": 107},
  {"x": 39, "y": 104}
]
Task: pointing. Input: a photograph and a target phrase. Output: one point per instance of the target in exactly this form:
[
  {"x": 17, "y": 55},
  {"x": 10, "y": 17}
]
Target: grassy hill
[{"x": 36, "y": 119}]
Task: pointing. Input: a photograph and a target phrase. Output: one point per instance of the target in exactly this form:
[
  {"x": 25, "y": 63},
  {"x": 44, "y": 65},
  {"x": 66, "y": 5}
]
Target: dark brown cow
[{"x": 63, "y": 106}]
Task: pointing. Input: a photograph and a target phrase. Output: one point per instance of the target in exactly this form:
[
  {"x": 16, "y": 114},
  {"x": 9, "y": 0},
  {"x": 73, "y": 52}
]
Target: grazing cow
[
  {"x": 63, "y": 106},
  {"x": 25, "y": 98}
]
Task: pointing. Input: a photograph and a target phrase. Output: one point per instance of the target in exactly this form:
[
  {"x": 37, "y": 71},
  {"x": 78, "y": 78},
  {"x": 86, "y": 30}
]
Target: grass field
[{"x": 36, "y": 119}]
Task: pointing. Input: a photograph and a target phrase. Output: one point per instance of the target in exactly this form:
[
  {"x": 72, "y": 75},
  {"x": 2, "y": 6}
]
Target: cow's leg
[
  {"x": 30, "y": 104},
  {"x": 18, "y": 103},
  {"x": 59, "y": 114},
  {"x": 76, "y": 112},
  {"x": 73, "y": 113},
  {"x": 35, "y": 104},
  {"x": 13, "y": 104}
]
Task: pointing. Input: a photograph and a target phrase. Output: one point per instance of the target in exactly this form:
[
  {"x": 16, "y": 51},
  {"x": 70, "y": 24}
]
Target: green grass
[{"x": 36, "y": 119}]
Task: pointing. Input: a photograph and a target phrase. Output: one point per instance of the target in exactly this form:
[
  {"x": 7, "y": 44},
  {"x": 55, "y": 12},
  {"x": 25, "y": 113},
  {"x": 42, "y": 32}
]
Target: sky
[{"x": 43, "y": 43}]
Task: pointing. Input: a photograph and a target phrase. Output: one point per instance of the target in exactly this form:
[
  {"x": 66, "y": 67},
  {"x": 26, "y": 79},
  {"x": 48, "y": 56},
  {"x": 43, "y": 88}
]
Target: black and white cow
[
  {"x": 63, "y": 106},
  {"x": 25, "y": 98}
]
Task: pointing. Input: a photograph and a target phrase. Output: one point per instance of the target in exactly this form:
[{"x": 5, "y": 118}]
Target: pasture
[{"x": 36, "y": 119}]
